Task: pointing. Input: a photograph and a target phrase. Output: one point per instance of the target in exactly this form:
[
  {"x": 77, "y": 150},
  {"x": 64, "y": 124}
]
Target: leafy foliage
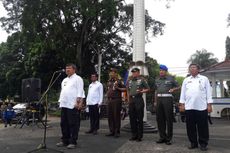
[
  {"x": 227, "y": 47},
  {"x": 203, "y": 58},
  {"x": 55, "y": 32},
  {"x": 12, "y": 66}
]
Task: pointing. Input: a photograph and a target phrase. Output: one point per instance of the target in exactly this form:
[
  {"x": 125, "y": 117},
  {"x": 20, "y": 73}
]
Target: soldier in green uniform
[
  {"x": 165, "y": 86},
  {"x": 136, "y": 86}
]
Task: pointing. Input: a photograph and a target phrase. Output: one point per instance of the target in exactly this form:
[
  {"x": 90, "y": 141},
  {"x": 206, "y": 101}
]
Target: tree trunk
[{"x": 81, "y": 43}]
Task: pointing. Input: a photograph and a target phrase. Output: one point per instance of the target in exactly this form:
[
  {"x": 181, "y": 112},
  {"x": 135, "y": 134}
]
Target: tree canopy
[
  {"x": 203, "y": 58},
  {"x": 227, "y": 47},
  {"x": 49, "y": 34}
]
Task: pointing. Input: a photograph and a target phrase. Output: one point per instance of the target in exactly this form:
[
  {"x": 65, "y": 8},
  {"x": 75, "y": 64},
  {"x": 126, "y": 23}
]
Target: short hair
[
  {"x": 113, "y": 70},
  {"x": 94, "y": 74},
  {"x": 72, "y": 65},
  {"x": 194, "y": 64}
]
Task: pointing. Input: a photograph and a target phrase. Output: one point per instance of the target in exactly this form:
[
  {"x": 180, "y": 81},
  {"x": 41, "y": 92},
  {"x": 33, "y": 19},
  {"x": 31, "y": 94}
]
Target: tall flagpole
[
  {"x": 139, "y": 55},
  {"x": 139, "y": 41}
]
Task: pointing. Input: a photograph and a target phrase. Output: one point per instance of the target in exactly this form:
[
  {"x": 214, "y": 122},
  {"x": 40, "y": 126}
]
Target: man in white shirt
[
  {"x": 70, "y": 100},
  {"x": 195, "y": 100},
  {"x": 94, "y": 101}
]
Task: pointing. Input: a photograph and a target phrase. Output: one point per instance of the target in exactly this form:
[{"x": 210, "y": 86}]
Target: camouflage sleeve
[
  {"x": 155, "y": 84},
  {"x": 145, "y": 84},
  {"x": 175, "y": 83}
]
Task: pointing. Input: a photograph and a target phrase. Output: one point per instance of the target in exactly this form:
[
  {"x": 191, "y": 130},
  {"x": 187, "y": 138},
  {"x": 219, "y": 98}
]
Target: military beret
[
  {"x": 163, "y": 67},
  {"x": 135, "y": 69}
]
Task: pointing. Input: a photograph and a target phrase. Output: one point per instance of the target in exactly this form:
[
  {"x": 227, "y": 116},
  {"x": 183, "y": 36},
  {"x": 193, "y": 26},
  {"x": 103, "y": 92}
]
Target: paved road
[{"x": 16, "y": 140}]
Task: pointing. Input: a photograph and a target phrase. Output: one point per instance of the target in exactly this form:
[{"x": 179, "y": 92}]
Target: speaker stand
[{"x": 43, "y": 146}]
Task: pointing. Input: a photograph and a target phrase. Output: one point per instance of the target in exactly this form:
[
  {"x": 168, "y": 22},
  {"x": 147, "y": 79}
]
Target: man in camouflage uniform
[
  {"x": 165, "y": 86},
  {"x": 136, "y": 86}
]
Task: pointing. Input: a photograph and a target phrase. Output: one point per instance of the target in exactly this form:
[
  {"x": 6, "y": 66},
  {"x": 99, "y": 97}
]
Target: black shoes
[
  {"x": 133, "y": 139},
  {"x": 203, "y": 148},
  {"x": 89, "y": 132},
  {"x": 160, "y": 141},
  {"x": 168, "y": 142},
  {"x": 138, "y": 139},
  {"x": 116, "y": 135},
  {"x": 110, "y": 134},
  {"x": 95, "y": 132},
  {"x": 193, "y": 146}
]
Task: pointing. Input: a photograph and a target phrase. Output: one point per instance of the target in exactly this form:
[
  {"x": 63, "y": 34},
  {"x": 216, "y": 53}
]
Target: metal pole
[{"x": 99, "y": 65}]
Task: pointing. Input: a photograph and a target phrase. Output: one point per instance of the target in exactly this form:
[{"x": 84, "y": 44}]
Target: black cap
[{"x": 135, "y": 69}]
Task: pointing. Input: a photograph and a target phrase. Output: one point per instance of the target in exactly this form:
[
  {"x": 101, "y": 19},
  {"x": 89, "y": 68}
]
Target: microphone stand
[{"x": 43, "y": 146}]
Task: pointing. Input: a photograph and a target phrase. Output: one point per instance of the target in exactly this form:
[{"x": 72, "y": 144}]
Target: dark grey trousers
[{"x": 164, "y": 114}]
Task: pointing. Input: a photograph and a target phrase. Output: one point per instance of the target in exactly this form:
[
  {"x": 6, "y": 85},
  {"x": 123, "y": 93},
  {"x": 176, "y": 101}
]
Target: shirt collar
[
  {"x": 197, "y": 76},
  {"x": 71, "y": 76},
  {"x": 95, "y": 82}
]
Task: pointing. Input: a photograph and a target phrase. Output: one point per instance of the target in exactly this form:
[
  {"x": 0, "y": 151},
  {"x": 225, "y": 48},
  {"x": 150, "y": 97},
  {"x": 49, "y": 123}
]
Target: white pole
[
  {"x": 139, "y": 31},
  {"x": 139, "y": 40},
  {"x": 99, "y": 65}
]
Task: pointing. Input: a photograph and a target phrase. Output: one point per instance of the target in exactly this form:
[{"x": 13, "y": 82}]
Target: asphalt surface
[{"x": 28, "y": 138}]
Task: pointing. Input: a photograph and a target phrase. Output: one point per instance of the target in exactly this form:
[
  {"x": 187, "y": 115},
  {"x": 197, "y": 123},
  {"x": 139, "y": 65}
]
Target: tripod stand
[
  {"x": 43, "y": 146},
  {"x": 31, "y": 112}
]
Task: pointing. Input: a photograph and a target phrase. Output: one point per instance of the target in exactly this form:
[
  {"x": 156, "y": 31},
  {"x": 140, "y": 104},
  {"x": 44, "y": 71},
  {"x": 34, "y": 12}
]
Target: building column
[
  {"x": 221, "y": 88},
  {"x": 214, "y": 86}
]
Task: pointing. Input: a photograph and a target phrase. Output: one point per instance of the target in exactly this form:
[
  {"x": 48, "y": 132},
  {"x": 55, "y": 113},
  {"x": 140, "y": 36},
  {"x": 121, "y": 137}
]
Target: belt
[
  {"x": 114, "y": 98},
  {"x": 164, "y": 95}
]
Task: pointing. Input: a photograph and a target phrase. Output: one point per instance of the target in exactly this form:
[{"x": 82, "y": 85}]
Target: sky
[
  {"x": 3, "y": 34},
  {"x": 190, "y": 25}
]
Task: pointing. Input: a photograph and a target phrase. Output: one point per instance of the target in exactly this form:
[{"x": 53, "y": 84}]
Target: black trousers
[
  {"x": 197, "y": 123},
  {"x": 164, "y": 116},
  {"x": 70, "y": 124},
  {"x": 136, "y": 115},
  {"x": 114, "y": 115},
  {"x": 94, "y": 117}
]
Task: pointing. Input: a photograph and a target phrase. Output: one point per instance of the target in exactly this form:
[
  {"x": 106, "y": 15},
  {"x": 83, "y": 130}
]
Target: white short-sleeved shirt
[
  {"x": 71, "y": 88},
  {"x": 95, "y": 93},
  {"x": 196, "y": 93}
]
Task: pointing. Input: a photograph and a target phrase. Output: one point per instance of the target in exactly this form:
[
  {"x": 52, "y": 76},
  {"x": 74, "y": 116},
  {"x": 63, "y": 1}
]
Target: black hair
[
  {"x": 72, "y": 65},
  {"x": 194, "y": 64},
  {"x": 94, "y": 74}
]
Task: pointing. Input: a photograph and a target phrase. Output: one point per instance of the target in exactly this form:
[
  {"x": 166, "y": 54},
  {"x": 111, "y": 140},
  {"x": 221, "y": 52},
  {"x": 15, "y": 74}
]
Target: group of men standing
[{"x": 195, "y": 101}]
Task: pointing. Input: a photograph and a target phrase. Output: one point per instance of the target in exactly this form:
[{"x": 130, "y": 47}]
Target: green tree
[
  {"x": 56, "y": 32},
  {"x": 68, "y": 29},
  {"x": 153, "y": 69},
  {"x": 203, "y": 58},
  {"x": 12, "y": 66},
  {"x": 227, "y": 47}
]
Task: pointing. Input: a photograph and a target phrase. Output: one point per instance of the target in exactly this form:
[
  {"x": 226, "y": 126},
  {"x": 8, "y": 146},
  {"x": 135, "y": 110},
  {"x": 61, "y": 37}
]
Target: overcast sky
[
  {"x": 190, "y": 25},
  {"x": 3, "y": 35}
]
